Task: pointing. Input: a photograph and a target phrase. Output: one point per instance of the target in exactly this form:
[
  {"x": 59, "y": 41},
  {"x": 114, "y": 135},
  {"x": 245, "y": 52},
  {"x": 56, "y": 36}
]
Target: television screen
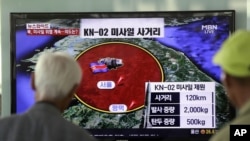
[{"x": 146, "y": 75}]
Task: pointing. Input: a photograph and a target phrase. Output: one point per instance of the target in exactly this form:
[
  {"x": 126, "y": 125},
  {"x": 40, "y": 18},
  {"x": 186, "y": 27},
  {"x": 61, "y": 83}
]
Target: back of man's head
[
  {"x": 55, "y": 75},
  {"x": 234, "y": 55},
  {"x": 233, "y": 58}
]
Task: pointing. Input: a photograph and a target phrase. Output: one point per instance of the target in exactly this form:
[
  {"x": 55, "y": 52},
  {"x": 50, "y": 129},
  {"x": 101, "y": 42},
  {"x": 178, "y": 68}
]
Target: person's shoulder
[
  {"x": 242, "y": 118},
  {"x": 79, "y": 132},
  {"x": 9, "y": 118},
  {"x": 222, "y": 134},
  {"x": 74, "y": 128},
  {"x": 8, "y": 122},
  {"x": 82, "y": 134}
]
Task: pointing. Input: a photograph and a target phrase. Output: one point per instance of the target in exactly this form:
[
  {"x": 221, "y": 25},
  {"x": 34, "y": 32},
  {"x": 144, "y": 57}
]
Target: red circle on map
[{"x": 139, "y": 66}]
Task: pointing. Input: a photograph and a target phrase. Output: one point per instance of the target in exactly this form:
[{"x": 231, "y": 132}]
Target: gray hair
[{"x": 56, "y": 74}]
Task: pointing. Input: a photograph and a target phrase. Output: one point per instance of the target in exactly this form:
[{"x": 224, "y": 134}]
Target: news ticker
[{"x": 239, "y": 132}]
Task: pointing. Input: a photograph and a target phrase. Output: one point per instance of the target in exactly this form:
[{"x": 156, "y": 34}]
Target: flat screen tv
[{"x": 147, "y": 75}]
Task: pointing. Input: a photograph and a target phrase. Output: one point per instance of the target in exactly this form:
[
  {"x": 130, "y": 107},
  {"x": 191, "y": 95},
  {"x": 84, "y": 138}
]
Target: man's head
[
  {"x": 56, "y": 77},
  {"x": 234, "y": 59}
]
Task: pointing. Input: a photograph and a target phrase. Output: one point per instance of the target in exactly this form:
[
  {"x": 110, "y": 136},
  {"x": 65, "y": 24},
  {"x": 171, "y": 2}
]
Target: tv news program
[{"x": 147, "y": 75}]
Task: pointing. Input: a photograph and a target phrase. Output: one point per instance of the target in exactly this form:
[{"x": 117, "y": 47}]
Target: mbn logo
[
  {"x": 240, "y": 132},
  {"x": 209, "y": 29}
]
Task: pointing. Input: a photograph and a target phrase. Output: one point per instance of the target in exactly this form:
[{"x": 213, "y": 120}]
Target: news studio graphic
[
  {"x": 105, "y": 64},
  {"x": 115, "y": 98},
  {"x": 180, "y": 105},
  {"x": 123, "y": 28},
  {"x": 239, "y": 132},
  {"x": 115, "y": 75},
  {"x": 40, "y": 28},
  {"x": 111, "y": 63},
  {"x": 209, "y": 29}
]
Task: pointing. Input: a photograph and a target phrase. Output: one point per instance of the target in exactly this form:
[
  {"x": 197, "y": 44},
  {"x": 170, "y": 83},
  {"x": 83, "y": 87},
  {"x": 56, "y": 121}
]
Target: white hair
[{"x": 56, "y": 74}]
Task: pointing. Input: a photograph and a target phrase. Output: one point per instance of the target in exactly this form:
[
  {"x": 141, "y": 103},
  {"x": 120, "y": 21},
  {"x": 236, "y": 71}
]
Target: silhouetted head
[
  {"x": 56, "y": 77},
  {"x": 234, "y": 59}
]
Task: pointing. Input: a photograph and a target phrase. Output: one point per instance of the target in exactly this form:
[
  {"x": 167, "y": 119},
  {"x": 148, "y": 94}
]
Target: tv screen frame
[{"x": 171, "y": 19}]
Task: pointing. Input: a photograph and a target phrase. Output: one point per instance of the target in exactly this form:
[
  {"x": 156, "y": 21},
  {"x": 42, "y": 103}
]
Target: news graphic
[
  {"x": 180, "y": 105},
  {"x": 116, "y": 71},
  {"x": 49, "y": 29},
  {"x": 124, "y": 28},
  {"x": 129, "y": 67}
]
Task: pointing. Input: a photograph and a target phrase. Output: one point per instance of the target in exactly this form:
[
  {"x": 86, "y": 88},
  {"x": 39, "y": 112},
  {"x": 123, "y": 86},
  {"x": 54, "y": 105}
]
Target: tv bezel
[{"x": 74, "y": 15}]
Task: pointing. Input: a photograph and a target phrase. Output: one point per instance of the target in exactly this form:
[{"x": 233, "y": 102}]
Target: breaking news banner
[{"x": 239, "y": 132}]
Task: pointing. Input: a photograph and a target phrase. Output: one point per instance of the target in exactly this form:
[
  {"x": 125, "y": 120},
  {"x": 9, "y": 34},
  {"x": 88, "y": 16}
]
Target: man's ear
[
  {"x": 33, "y": 81},
  {"x": 229, "y": 81},
  {"x": 66, "y": 101},
  {"x": 72, "y": 91}
]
